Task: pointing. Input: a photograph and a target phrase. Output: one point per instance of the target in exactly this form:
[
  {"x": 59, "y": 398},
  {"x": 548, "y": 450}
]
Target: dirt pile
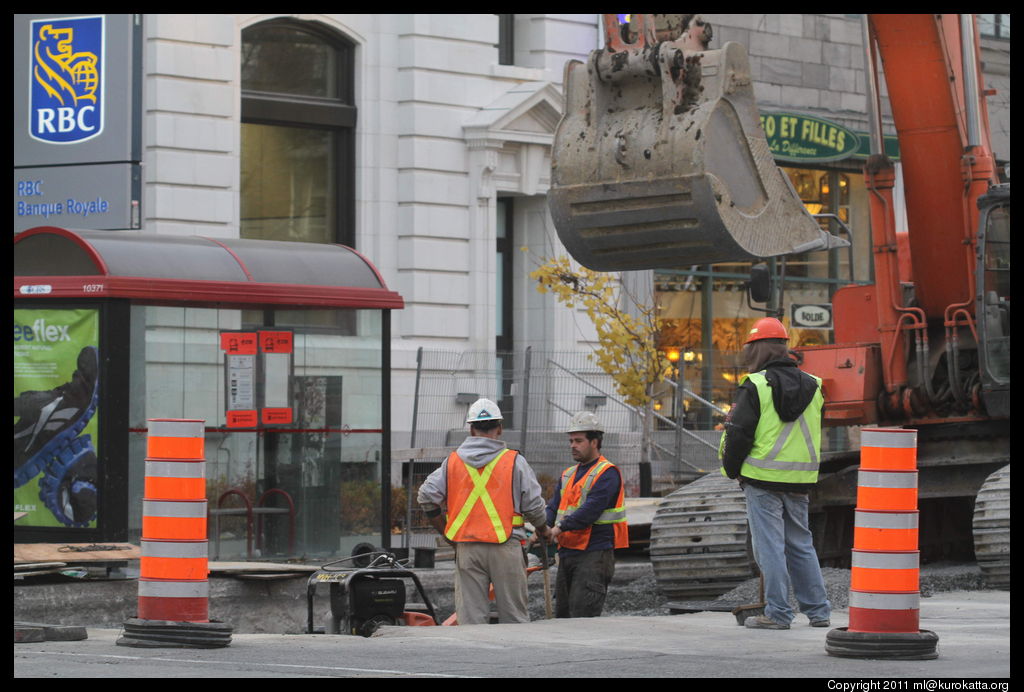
[{"x": 635, "y": 590}]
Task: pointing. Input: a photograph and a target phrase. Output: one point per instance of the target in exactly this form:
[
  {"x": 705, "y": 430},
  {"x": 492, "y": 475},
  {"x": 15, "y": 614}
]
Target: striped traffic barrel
[
  {"x": 886, "y": 495},
  {"x": 173, "y": 568},
  {"x": 885, "y": 596}
]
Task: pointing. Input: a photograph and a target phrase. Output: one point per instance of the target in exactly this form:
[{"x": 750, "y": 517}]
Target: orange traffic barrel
[
  {"x": 885, "y": 571},
  {"x": 173, "y": 567},
  {"x": 174, "y": 589}
]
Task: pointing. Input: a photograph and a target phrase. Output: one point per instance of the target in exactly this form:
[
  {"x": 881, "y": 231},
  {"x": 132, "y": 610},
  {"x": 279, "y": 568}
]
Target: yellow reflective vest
[{"x": 783, "y": 452}]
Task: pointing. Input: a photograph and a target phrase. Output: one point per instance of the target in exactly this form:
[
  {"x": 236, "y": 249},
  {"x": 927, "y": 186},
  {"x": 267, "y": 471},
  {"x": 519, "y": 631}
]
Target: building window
[
  {"x": 825, "y": 194},
  {"x": 298, "y": 147},
  {"x": 504, "y": 251},
  {"x": 994, "y": 25},
  {"x": 298, "y": 134},
  {"x": 506, "y": 39},
  {"x": 503, "y": 338}
]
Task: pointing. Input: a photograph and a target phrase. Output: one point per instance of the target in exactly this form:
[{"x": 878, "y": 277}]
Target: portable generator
[{"x": 365, "y": 598}]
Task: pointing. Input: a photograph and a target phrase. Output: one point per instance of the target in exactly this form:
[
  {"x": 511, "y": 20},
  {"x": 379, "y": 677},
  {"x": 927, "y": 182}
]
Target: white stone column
[{"x": 483, "y": 161}]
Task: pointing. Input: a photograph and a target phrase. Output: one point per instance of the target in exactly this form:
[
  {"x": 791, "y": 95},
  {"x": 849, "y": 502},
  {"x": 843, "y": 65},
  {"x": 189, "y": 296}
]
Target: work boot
[
  {"x": 820, "y": 623},
  {"x": 761, "y": 622}
]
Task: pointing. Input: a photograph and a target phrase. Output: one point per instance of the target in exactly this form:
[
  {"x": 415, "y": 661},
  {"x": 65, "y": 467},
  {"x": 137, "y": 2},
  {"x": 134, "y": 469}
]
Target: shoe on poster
[
  {"x": 50, "y": 420},
  {"x": 68, "y": 486}
]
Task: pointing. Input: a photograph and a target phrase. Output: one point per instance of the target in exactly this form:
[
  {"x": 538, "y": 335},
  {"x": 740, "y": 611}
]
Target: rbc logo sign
[{"x": 66, "y": 92}]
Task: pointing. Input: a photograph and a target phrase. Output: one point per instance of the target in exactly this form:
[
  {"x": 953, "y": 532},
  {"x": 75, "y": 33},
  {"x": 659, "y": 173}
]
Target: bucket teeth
[{"x": 644, "y": 180}]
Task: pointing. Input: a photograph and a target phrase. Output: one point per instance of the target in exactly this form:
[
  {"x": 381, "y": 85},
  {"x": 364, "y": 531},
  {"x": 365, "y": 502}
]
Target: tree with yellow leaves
[{"x": 627, "y": 343}]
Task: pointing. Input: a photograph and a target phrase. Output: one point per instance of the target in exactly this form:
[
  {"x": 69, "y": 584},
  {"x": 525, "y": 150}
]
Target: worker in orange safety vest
[
  {"x": 588, "y": 513},
  {"x": 479, "y": 500}
]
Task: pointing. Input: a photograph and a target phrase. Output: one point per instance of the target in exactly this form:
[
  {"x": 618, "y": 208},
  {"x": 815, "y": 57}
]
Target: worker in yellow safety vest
[
  {"x": 772, "y": 445},
  {"x": 479, "y": 500},
  {"x": 589, "y": 516}
]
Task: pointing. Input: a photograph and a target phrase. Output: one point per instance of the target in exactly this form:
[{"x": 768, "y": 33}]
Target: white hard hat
[
  {"x": 483, "y": 409},
  {"x": 584, "y": 421}
]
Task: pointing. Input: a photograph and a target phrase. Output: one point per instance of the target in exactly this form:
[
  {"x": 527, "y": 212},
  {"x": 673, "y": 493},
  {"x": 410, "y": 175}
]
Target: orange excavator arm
[{"x": 945, "y": 147}]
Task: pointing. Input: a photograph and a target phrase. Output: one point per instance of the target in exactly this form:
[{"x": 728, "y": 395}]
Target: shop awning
[{"x": 52, "y": 262}]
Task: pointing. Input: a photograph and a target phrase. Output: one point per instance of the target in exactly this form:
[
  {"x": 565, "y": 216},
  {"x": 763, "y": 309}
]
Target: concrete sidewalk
[{"x": 973, "y": 630}]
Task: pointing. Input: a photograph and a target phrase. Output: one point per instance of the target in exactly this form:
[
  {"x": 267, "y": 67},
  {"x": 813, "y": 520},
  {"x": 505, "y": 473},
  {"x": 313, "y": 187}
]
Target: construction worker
[
  {"x": 772, "y": 444},
  {"x": 588, "y": 513},
  {"x": 488, "y": 491}
]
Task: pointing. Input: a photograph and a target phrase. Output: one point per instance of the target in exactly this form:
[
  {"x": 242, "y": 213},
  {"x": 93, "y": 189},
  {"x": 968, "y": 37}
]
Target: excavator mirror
[
  {"x": 760, "y": 285},
  {"x": 660, "y": 160}
]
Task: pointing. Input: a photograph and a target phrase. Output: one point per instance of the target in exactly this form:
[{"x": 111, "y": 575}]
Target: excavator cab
[
  {"x": 660, "y": 161},
  {"x": 993, "y": 299}
]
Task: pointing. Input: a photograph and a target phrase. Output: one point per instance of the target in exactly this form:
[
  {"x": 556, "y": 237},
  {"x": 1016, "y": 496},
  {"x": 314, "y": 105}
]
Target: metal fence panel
[{"x": 539, "y": 391}]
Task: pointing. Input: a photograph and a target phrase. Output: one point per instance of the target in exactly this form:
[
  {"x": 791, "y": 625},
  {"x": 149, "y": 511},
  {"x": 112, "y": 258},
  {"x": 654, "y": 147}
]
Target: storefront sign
[
  {"x": 817, "y": 316},
  {"x": 77, "y": 120},
  {"x": 77, "y": 87},
  {"x": 803, "y": 138},
  {"x": 68, "y": 66},
  {"x": 101, "y": 197}
]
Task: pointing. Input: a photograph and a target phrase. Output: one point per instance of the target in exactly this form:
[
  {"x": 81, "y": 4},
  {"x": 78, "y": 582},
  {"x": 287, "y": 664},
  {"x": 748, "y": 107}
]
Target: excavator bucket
[{"x": 660, "y": 161}]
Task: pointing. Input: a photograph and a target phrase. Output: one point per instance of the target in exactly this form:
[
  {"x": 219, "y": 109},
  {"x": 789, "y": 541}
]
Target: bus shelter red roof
[{"x": 51, "y": 262}]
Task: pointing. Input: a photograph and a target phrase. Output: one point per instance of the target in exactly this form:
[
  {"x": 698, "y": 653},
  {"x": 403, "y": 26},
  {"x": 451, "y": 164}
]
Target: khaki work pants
[{"x": 477, "y": 566}]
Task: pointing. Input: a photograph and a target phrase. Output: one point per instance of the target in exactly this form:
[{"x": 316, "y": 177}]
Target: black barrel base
[
  {"x": 890, "y": 646},
  {"x": 169, "y": 634}
]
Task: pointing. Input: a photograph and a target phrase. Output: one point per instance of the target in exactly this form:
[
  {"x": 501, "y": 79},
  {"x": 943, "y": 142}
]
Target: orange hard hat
[{"x": 767, "y": 328}]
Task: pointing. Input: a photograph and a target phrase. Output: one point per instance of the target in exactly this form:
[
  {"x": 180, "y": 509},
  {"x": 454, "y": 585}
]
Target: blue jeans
[{"x": 784, "y": 551}]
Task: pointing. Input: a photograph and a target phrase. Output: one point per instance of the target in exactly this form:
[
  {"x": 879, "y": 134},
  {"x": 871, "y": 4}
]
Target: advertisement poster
[{"x": 56, "y": 395}]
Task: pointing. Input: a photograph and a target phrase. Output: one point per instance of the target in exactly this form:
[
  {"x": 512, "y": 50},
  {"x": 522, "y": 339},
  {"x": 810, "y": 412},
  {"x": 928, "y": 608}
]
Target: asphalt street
[{"x": 973, "y": 630}]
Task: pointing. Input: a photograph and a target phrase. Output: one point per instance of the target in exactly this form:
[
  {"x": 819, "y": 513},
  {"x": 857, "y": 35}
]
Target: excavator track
[
  {"x": 992, "y": 529},
  {"x": 699, "y": 540}
]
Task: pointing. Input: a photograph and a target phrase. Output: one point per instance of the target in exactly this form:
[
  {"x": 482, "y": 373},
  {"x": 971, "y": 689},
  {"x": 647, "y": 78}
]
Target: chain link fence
[{"x": 538, "y": 392}]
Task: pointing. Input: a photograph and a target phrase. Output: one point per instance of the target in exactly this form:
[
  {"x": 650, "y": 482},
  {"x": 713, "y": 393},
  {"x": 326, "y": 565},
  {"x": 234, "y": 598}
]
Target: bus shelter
[{"x": 282, "y": 349}]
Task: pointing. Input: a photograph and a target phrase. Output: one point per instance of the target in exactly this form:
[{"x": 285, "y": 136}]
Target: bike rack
[{"x": 250, "y": 511}]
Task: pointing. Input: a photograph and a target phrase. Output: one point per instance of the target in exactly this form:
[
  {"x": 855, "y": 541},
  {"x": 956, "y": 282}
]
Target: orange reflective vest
[
  {"x": 574, "y": 494},
  {"x": 480, "y": 503}
]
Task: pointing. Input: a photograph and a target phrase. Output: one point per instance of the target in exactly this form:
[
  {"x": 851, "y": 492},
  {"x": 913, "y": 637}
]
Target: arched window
[{"x": 298, "y": 133}]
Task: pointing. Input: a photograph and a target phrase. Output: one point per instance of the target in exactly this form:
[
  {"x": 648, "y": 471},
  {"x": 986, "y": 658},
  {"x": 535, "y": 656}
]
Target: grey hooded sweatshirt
[{"x": 478, "y": 452}]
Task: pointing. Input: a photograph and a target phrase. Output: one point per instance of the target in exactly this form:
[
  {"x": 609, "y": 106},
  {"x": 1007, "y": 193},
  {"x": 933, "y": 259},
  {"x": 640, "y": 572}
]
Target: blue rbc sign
[{"x": 66, "y": 80}]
